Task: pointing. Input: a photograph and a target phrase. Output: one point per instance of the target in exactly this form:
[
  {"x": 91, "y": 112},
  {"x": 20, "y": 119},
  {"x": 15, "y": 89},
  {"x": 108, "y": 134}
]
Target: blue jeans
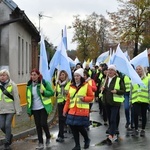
[
  {"x": 127, "y": 107},
  {"x": 128, "y": 110},
  {"x": 5, "y": 125}
]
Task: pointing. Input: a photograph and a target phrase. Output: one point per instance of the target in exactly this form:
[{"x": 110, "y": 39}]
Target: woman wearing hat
[
  {"x": 113, "y": 91},
  {"x": 77, "y": 108}
]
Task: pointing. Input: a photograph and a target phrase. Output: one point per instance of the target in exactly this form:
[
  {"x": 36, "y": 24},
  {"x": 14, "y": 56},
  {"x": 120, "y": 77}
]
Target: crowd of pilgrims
[
  {"x": 103, "y": 84},
  {"x": 110, "y": 89}
]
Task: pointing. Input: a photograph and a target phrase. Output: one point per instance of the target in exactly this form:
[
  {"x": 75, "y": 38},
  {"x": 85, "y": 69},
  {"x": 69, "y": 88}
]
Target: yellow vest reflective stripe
[
  {"x": 60, "y": 97},
  {"x": 140, "y": 94},
  {"x": 90, "y": 73},
  {"x": 116, "y": 97},
  {"x": 46, "y": 100},
  {"x": 127, "y": 82},
  {"x": 100, "y": 77},
  {"x": 76, "y": 99},
  {"x": 29, "y": 95},
  {"x": 7, "y": 99}
]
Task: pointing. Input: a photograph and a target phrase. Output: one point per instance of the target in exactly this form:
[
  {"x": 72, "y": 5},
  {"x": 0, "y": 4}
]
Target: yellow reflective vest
[
  {"x": 75, "y": 98},
  {"x": 140, "y": 94},
  {"x": 127, "y": 83},
  {"x": 116, "y": 97},
  {"x": 60, "y": 96},
  {"x": 45, "y": 100},
  {"x": 7, "y": 99}
]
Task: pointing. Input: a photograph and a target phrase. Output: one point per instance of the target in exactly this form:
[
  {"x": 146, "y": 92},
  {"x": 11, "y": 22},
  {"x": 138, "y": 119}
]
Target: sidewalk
[{"x": 24, "y": 125}]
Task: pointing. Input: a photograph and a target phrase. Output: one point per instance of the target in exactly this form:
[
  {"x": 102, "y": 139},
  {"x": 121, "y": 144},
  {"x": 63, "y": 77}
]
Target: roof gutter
[{"x": 10, "y": 21}]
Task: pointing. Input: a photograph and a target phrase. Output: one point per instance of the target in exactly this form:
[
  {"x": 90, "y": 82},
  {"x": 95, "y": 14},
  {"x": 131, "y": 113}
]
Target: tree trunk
[{"x": 136, "y": 47}]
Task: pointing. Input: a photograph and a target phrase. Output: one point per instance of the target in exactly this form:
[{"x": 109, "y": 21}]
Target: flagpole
[{"x": 103, "y": 85}]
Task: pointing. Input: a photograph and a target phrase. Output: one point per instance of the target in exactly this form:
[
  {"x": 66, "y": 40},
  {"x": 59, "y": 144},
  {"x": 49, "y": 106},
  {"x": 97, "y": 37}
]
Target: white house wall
[
  {"x": 19, "y": 69},
  {"x": 9, "y": 52}
]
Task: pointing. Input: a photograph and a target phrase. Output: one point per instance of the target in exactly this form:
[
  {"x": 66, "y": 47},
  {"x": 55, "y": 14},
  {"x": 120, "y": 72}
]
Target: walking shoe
[
  {"x": 142, "y": 133},
  {"x": 109, "y": 140},
  {"x": 40, "y": 146},
  {"x": 87, "y": 144},
  {"x": 127, "y": 125},
  {"x": 135, "y": 132},
  {"x": 47, "y": 143},
  {"x": 77, "y": 148},
  {"x": 112, "y": 138},
  {"x": 59, "y": 139}
]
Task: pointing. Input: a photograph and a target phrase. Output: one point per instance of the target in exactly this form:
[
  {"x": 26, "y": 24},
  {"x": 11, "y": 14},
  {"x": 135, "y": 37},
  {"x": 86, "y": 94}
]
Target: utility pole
[{"x": 40, "y": 17}]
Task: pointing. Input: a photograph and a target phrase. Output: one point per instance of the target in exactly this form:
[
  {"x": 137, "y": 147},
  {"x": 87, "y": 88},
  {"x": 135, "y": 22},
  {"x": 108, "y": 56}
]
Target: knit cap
[
  {"x": 112, "y": 67},
  {"x": 80, "y": 71}
]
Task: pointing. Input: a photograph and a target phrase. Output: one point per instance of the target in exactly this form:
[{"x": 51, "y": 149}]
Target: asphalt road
[{"x": 96, "y": 134}]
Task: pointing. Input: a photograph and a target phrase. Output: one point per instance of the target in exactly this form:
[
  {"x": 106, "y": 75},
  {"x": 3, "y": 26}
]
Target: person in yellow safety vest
[
  {"x": 128, "y": 109},
  {"x": 94, "y": 76},
  {"x": 112, "y": 90},
  {"x": 102, "y": 105},
  {"x": 92, "y": 83},
  {"x": 76, "y": 108},
  {"x": 38, "y": 95},
  {"x": 140, "y": 99},
  {"x": 62, "y": 88},
  {"x": 100, "y": 76},
  {"x": 87, "y": 68},
  {"x": 9, "y": 105}
]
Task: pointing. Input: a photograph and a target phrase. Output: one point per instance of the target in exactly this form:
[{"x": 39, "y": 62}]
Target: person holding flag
[
  {"x": 113, "y": 91},
  {"x": 38, "y": 95}
]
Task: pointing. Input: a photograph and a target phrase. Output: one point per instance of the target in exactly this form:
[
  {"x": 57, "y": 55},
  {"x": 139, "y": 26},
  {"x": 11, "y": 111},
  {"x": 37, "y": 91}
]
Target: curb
[{"x": 31, "y": 131}]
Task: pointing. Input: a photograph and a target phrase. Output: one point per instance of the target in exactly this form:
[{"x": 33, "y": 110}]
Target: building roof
[
  {"x": 11, "y": 4},
  {"x": 18, "y": 15}
]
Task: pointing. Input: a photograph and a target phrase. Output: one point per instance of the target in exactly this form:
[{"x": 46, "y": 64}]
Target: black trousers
[
  {"x": 113, "y": 113},
  {"x": 140, "y": 109},
  {"x": 40, "y": 118},
  {"x": 62, "y": 120},
  {"x": 76, "y": 130}
]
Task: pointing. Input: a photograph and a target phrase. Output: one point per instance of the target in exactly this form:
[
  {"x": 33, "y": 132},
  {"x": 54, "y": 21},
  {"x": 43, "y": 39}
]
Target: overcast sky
[{"x": 62, "y": 12}]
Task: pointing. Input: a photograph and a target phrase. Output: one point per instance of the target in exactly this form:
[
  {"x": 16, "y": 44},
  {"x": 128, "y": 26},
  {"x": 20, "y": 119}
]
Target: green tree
[
  {"x": 90, "y": 35},
  {"x": 128, "y": 23}
]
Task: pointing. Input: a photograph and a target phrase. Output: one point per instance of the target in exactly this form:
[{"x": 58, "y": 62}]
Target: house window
[
  {"x": 19, "y": 55},
  {"x": 27, "y": 58},
  {"x": 22, "y": 62}
]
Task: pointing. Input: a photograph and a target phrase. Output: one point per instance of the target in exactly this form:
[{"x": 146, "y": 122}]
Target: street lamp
[{"x": 40, "y": 17}]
